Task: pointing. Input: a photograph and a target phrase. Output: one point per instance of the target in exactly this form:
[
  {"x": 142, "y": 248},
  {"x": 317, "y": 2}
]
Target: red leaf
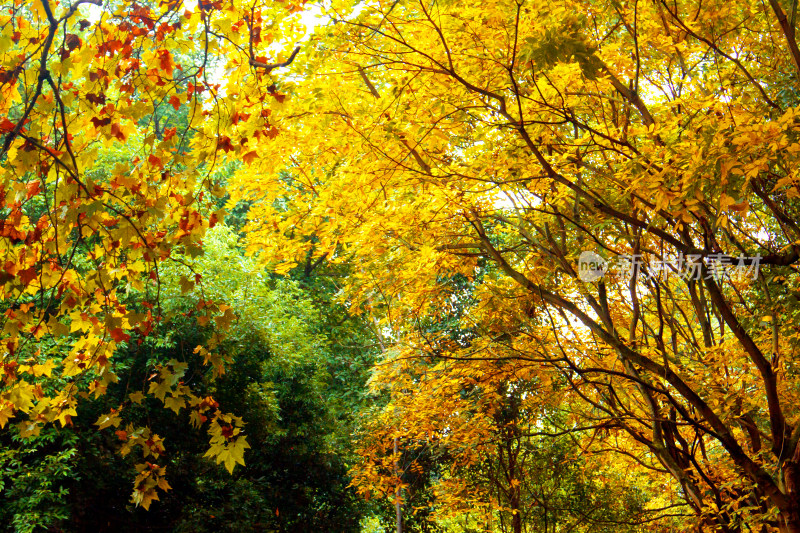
[
  {"x": 165, "y": 60},
  {"x": 224, "y": 143},
  {"x": 96, "y": 99},
  {"x": 155, "y": 161},
  {"x": 99, "y": 122},
  {"x": 237, "y": 117},
  {"x": 27, "y": 275},
  {"x": 119, "y": 335},
  {"x": 6, "y": 125},
  {"x": 176, "y": 103},
  {"x": 72, "y": 41},
  {"x": 98, "y": 74},
  {"x": 10, "y": 268}
]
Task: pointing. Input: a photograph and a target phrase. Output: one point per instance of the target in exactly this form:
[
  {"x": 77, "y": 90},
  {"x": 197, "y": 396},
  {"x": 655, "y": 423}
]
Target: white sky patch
[
  {"x": 91, "y": 12},
  {"x": 311, "y": 18}
]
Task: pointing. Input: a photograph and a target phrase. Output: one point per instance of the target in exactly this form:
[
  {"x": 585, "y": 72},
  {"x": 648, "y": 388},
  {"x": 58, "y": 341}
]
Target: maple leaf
[
  {"x": 136, "y": 397},
  {"x": 250, "y": 156},
  {"x": 97, "y": 99},
  {"x": 229, "y": 454},
  {"x": 224, "y": 143},
  {"x": 45, "y": 369},
  {"x": 159, "y": 389},
  {"x": 116, "y": 131},
  {"x": 165, "y": 60},
  {"x": 72, "y": 41},
  {"x": 119, "y": 335},
  {"x": 110, "y": 419},
  {"x": 34, "y": 188},
  {"x": 6, "y": 413},
  {"x": 27, "y": 275},
  {"x": 175, "y": 403},
  {"x": 100, "y": 122},
  {"x": 169, "y": 133},
  {"x": 144, "y": 497},
  {"x": 186, "y": 284},
  {"x": 6, "y": 125}
]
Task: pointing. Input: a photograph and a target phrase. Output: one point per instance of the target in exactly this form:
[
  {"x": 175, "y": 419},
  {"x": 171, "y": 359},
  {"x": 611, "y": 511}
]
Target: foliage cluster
[{"x": 414, "y": 186}]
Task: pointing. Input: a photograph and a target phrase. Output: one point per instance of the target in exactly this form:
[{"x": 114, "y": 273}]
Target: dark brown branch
[
  {"x": 788, "y": 32},
  {"x": 271, "y": 66},
  {"x": 723, "y": 434},
  {"x": 631, "y": 96},
  {"x": 368, "y": 83},
  {"x": 780, "y": 430}
]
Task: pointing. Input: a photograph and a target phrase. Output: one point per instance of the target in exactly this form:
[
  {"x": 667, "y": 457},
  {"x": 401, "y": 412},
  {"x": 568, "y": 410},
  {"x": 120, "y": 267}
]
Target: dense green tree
[{"x": 282, "y": 375}]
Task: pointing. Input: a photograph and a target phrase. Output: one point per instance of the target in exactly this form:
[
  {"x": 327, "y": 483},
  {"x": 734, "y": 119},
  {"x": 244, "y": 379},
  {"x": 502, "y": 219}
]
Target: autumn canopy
[{"x": 565, "y": 230}]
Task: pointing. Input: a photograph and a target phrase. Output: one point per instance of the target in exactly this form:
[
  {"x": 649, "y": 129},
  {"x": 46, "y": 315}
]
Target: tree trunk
[
  {"x": 398, "y": 509},
  {"x": 791, "y": 476},
  {"x": 516, "y": 522},
  {"x": 516, "y": 517}
]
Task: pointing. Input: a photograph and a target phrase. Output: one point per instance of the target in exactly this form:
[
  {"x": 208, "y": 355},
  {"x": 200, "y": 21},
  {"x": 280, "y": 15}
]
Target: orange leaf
[
  {"x": 169, "y": 133},
  {"x": 117, "y": 132},
  {"x": 249, "y": 157},
  {"x": 33, "y": 188}
]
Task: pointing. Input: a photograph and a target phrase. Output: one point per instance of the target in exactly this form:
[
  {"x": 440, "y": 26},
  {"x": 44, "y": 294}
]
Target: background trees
[
  {"x": 283, "y": 378},
  {"x": 519, "y": 135},
  {"x": 112, "y": 130},
  {"x": 448, "y": 163}
]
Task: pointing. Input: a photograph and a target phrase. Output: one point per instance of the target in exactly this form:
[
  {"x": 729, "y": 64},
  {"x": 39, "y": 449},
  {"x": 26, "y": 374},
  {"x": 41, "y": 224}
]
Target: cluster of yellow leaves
[
  {"x": 494, "y": 142},
  {"x": 228, "y": 443},
  {"x": 150, "y": 477}
]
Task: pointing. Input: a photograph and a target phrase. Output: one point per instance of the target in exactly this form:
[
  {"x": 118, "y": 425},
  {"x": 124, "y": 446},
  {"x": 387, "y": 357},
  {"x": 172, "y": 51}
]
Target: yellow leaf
[
  {"x": 6, "y": 413},
  {"x": 45, "y": 369}
]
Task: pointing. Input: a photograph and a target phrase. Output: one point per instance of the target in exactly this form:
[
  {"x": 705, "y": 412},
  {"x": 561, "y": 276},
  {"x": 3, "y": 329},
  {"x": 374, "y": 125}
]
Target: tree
[
  {"x": 487, "y": 434},
  {"x": 82, "y": 241},
  {"x": 425, "y": 141},
  {"x": 520, "y": 135},
  {"x": 280, "y": 368}
]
